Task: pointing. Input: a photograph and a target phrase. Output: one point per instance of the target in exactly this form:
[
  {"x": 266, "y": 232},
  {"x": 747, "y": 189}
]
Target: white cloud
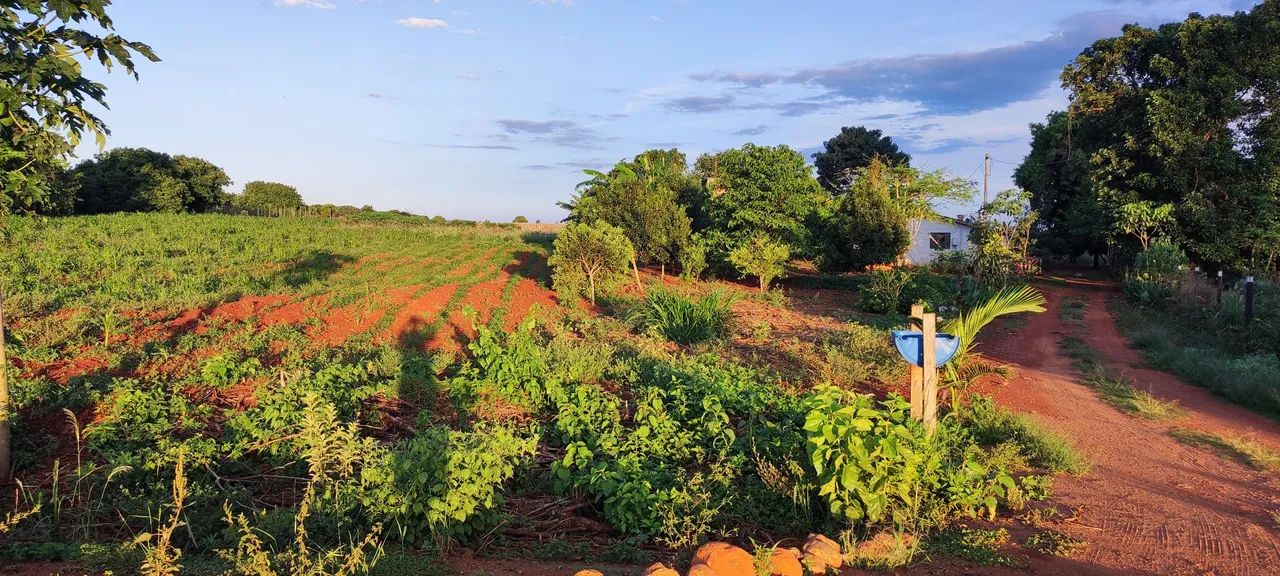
[
  {"x": 318, "y": 4},
  {"x": 416, "y": 22}
]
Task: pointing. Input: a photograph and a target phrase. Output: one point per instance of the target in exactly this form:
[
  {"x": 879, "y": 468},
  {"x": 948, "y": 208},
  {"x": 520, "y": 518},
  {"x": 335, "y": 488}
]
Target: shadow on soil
[{"x": 312, "y": 266}]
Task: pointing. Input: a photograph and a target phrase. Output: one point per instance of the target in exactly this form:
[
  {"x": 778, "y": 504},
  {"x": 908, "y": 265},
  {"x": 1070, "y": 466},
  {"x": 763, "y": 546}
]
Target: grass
[
  {"x": 1239, "y": 448},
  {"x": 975, "y": 545},
  {"x": 992, "y": 425},
  {"x": 1113, "y": 388},
  {"x": 684, "y": 319},
  {"x": 1072, "y": 310},
  {"x": 1194, "y": 355},
  {"x": 1053, "y": 543}
]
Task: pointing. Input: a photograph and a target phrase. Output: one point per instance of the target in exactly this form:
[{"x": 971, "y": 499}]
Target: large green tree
[
  {"x": 259, "y": 195},
  {"x": 851, "y": 150},
  {"x": 1189, "y": 116},
  {"x": 868, "y": 226},
  {"x": 765, "y": 190},
  {"x": 642, "y": 198},
  {"x": 142, "y": 180},
  {"x": 44, "y": 93},
  {"x": 1056, "y": 174}
]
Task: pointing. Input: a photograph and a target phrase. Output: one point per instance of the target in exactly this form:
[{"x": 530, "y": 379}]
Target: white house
[{"x": 932, "y": 237}]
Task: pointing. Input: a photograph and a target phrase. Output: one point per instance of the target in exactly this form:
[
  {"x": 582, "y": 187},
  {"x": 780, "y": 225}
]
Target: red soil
[
  {"x": 419, "y": 313},
  {"x": 343, "y": 323},
  {"x": 248, "y": 307},
  {"x": 528, "y": 293},
  {"x": 482, "y": 298},
  {"x": 1150, "y": 504}
]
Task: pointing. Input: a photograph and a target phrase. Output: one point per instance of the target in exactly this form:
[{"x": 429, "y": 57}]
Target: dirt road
[{"x": 1150, "y": 504}]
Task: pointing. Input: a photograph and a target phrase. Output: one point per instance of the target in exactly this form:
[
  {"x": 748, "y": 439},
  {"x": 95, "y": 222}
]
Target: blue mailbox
[{"x": 910, "y": 345}]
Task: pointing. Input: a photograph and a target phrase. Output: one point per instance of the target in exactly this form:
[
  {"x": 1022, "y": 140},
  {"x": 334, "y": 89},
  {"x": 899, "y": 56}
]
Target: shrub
[
  {"x": 686, "y": 320},
  {"x": 1157, "y": 272},
  {"x": 867, "y": 227},
  {"x": 693, "y": 259},
  {"x": 259, "y": 195},
  {"x": 883, "y": 293},
  {"x": 955, "y": 262},
  {"x": 762, "y": 258},
  {"x": 590, "y": 258},
  {"x": 864, "y": 355},
  {"x": 992, "y": 425}
]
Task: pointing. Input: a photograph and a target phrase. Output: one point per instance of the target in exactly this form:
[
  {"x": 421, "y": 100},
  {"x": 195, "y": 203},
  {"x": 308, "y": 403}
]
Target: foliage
[
  {"x": 693, "y": 260},
  {"x": 519, "y": 220},
  {"x": 44, "y": 93},
  {"x": 1002, "y": 237},
  {"x": 851, "y": 150},
  {"x": 160, "y": 557},
  {"x": 642, "y": 198},
  {"x": 863, "y": 355},
  {"x": 992, "y": 425},
  {"x": 140, "y": 180},
  {"x": 1144, "y": 221},
  {"x": 1157, "y": 273},
  {"x": 1180, "y": 116},
  {"x": 590, "y": 258},
  {"x": 762, "y": 258},
  {"x": 965, "y": 365},
  {"x": 975, "y": 545},
  {"x": 1056, "y": 174},
  {"x": 259, "y": 195},
  {"x": 684, "y": 320},
  {"x": 761, "y": 190},
  {"x": 884, "y": 292},
  {"x": 868, "y": 226}
]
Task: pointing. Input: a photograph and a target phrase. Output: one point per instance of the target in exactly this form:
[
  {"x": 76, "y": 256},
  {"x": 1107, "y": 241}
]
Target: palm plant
[{"x": 967, "y": 366}]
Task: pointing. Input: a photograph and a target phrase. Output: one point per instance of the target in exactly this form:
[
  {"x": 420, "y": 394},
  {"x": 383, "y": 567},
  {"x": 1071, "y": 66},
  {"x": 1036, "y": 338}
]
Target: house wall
[{"x": 920, "y": 253}]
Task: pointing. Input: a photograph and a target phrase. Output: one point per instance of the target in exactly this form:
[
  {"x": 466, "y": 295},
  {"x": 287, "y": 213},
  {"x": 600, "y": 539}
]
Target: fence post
[
  {"x": 1248, "y": 298},
  {"x": 917, "y": 373},
  {"x": 930, "y": 369},
  {"x": 1219, "y": 288}
]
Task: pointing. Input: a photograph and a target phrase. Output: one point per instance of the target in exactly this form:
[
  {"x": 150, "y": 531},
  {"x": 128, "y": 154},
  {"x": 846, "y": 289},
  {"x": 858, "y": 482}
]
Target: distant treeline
[{"x": 142, "y": 180}]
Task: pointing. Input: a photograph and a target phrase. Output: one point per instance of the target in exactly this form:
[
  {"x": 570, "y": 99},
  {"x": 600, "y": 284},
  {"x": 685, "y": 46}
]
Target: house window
[{"x": 939, "y": 240}]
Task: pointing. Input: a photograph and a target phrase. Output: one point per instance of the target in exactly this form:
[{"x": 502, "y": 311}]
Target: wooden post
[
  {"x": 930, "y": 369},
  {"x": 6, "y": 471},
  {"x": 917, "y": 374}
]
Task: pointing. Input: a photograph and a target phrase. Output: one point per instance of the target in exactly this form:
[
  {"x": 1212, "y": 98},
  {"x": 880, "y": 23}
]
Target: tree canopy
[
  {"x": 259, "y": 195},
  {"x": 142, "y": 180},
  {"x": 1184, "y": 116},
  {"x": 761, "y": 190},
  {"x": 868, "y": 227},
  {"x": 850, "y": 150},
  {"x": 43, "y": 94}
]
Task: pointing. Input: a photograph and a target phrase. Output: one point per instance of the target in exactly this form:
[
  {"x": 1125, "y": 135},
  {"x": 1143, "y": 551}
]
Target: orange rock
[
  {"x": 723, "y": 560},
  {"x": 588, "y": 572},
  {"x": 785, "y": 562},
  {"x": 822, "y": 554},
  {"x": 701, "y": 570},
  {"x": 659, "y": 569}
]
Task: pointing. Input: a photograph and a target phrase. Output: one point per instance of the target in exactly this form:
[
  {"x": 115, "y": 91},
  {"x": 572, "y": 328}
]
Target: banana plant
[{"x": 966, "y": 365}]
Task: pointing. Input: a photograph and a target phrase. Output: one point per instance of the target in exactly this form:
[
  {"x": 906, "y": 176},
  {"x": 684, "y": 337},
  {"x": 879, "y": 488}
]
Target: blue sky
[{"x": 489, "y": 109}]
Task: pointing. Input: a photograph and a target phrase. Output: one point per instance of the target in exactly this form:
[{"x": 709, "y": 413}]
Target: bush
[
  {"x": 1157, "y": 272},
  {"x": 685, "y": 320},
  {"x": 589, "y": 259},
  {"x": 953, "y": 262},
  {"x": 883, "y": 293},
  {"x": 867, "y": 228},
  {"x": 259, "y": 195},
  {"x": 693, "y": 259},
  {"x": 992, "y": 425}
]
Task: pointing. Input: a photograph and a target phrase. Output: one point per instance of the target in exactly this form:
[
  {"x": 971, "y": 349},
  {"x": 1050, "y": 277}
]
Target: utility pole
[{"x": 986, "y": 177}]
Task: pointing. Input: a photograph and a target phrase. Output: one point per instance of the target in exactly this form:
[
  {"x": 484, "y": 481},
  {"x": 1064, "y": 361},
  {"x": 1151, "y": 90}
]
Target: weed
[
  {"x": 975, "y": 545},
  {"x": 1072, "y": 309},
  {"x": 1119, "y": 392},
  {"x": 683, "y": 319},
  {"x": 1054, "y": 543},
  {"x": 992, "y": 425},
  {"x": 1239, "y": 448}
]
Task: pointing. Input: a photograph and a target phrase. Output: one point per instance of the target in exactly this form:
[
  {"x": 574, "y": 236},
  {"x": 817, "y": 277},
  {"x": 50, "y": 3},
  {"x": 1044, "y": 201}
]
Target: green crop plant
[{"x": 683, "y": 319}]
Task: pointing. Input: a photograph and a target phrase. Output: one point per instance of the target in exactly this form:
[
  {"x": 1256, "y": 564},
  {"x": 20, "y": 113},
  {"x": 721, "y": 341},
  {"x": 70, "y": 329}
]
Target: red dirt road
[{"x": 1150, "y": 505}]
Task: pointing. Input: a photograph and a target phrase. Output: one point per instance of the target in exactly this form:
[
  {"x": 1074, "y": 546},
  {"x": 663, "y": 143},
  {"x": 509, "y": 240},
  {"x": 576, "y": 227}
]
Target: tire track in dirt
[{"x": 1150, "y": 505}]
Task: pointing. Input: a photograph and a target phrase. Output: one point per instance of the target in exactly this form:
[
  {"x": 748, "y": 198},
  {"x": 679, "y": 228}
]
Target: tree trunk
[
  {"x": 591, "y": 281},
  {"x": 5, "y": 471},
  {"x": 635, "y": 269}
]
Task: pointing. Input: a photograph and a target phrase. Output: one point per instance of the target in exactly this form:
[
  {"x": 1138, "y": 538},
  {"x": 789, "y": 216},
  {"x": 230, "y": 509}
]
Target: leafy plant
[
  {"x": 762, "y": 258},
  {"x": 965, "y": 367},
  {"x": 590, "y": 258},
  {"x": 884, "y": 291}
]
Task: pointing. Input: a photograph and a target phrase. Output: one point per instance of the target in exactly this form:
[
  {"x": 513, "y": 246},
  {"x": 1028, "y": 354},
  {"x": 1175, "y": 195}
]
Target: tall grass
[
  {"x": 992, "y": 425},
  {"x": 683, "y": 319}
]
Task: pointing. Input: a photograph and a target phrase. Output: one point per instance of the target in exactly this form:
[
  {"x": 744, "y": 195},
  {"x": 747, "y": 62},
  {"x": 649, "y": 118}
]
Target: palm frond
[{"x": 1009, "y": 300}]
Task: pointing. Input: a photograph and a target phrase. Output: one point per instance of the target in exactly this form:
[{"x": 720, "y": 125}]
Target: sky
[{"x": 489, "y": 109}]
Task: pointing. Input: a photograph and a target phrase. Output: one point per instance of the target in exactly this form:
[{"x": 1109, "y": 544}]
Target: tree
[
  {"x": 43, "y": 93},
  {"x": 641, "y": 197},
  {"x": 1002, "y": 236},
  {"x": 520, "y": 220},
  {"x": 259, "y": 195},
  {"x": 1186, "y": 117},
  {"x": 589, "y": 258},
  {"x": 851, "y": 150},
  {"x": 1144, "y": 220},
  {"x": 760, "y": 190},
  {"x": 868, "y": 227},
  {"x": 917, "y": 193},
  {"x": 1056, "y": 174},
  {"x": 761, "y": 257},
  {"x": 142, "y": 180}
]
